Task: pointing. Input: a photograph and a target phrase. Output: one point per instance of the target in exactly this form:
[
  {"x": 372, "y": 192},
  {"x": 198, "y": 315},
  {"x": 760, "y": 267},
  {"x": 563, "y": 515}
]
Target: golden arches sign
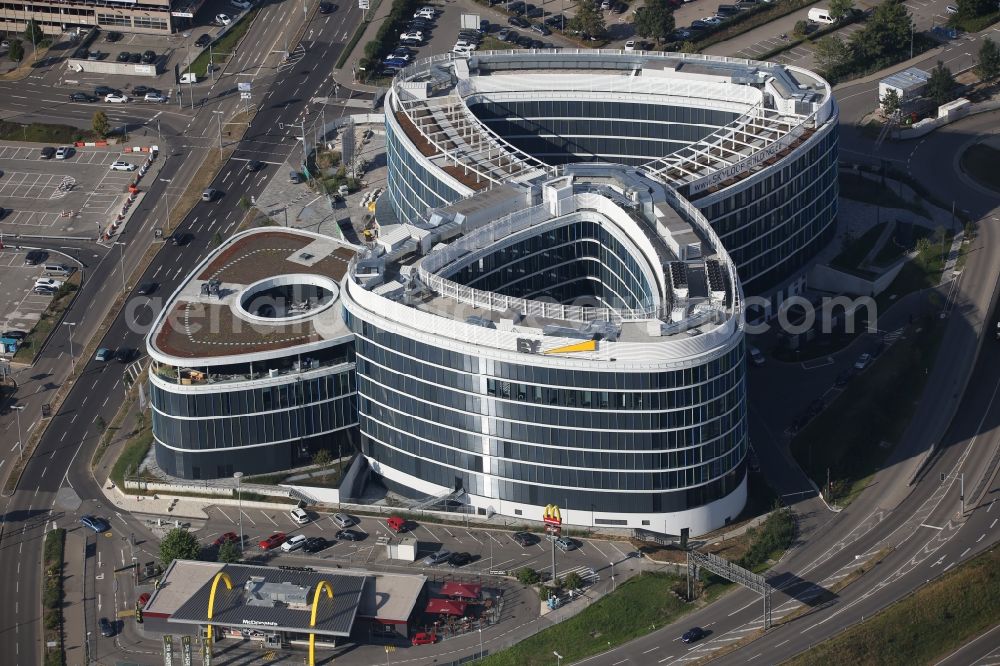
[
  {"x": 223, "y": 576},
  {"x": 320, "y": 587},
  {"x": 551, "y": 515}
]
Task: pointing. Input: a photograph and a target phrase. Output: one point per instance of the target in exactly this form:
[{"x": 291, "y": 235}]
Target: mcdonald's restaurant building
[{"x": 282, "y": 606}]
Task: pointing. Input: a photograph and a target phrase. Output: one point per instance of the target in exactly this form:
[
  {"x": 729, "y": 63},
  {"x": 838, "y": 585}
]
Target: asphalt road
[{"x": 64, "y": 452}]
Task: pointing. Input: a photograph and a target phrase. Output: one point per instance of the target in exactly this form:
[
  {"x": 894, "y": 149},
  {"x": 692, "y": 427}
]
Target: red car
[
  {"x": 423, "y": 638},
  {"x": 228, "y": 537},
  {"x": 272, "y": 541},
  {"x": 396, "y": 524}
]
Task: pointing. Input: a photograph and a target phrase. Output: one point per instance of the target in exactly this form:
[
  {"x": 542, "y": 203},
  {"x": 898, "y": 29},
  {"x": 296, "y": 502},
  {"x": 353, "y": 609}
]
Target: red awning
[
  {"x": 461, "y": 590},
  {"x": 446, "y": 607}
]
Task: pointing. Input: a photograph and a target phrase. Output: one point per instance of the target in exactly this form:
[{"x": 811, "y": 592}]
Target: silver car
[
  {"x": 343, "y": 520},
  {"x": 437, "y": 558}
]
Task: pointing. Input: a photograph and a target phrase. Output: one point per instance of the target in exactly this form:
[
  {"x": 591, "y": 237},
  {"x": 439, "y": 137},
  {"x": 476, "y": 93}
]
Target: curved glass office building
[
  {"x": 252, "y": 366},
  {"x": 576, "y": 342},
  {"x": 752, "y": 145}
]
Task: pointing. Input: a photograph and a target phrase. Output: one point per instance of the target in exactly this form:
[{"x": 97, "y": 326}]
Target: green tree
[
  {"x": 841, "y": 8},
  {"x": 890, "y": 103},
  {"x": 941, "y": 84},
  {"x": 800, "y": 29},
  {"x": 972, "y": 8},
  {"x": 528, "y": 576},
  {"x": 16, "y": 50},
  {"x": 588, "y": 19},
  {"x": 832, "y": 54},
  {"x": 179, "y": 544},
  {"x": 573, "y": 581},
  {"x": 100, "y": 124},
  {"x": 33, "y": 32},
  {"x": 886, "y": 34},
  {"x": 229, "y": 552},
  {"x": 217, "y": 239},
  {"x": 655, "y": 20},
  {"x": 989, "y": 60},
  {"x": 100, "y": 424},
  {"x": 245, "y": 202},
  {"x": 322, "y": 457}
]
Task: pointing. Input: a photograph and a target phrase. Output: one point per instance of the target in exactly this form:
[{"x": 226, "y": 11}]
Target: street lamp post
[
  {"x": 72, "y": 357},
  {"x": 218, "y": 117},
  {"x": 121, "y": 262},
  {"x": 239, "y": 501},
  {"x": 20, "y": 437},
  {"x": 559, "y": 658},
  {"x": 961, "y": 487},
  {"x": 480, "y": 641},
  {"x": 612, "y": 576}
]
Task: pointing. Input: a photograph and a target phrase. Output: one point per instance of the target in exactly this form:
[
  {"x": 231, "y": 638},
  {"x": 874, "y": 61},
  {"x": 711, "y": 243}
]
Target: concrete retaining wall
[
  {"x": 827, "y": 278},
  {"x": 110, "y": 67}
]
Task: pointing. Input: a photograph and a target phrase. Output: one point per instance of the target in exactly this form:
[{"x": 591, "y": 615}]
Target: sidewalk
[{"x": 375, "y": 20}]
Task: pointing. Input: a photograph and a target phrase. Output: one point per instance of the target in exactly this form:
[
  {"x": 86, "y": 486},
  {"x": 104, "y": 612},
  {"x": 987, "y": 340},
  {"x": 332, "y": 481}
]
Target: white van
[
  {"x": 58, "y": 269},
  {"x": 820, "y": 15},
  {"x": 189, "y": 77},
  {"x": 299, "y": 516}
]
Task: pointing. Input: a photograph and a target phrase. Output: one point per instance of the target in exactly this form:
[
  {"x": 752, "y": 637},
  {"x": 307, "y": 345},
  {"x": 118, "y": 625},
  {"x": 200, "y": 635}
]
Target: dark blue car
[{"x": 99, "y": 525}]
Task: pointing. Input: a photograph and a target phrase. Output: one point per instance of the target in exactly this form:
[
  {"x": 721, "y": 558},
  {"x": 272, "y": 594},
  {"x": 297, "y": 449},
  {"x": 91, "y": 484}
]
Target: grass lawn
[
  {"x": 846, "y": 438},
  {"x": 43, "y": 133},
  {"x": 921, "y": 272},
  {"x": 642, "y": 602},
  {"x": 871, "y": 191},
  {"x": 222, "y": 50},
  {"x": 904, "y": 239},
  {"x": 850, "y": 257},
  {"x": 980, "y": 161},
  {"x": 924, "y": 627},
  {"x": 132, "y": 455},
  {"x": 494, "y": 44},
  {"x": 37, "y": 336}
]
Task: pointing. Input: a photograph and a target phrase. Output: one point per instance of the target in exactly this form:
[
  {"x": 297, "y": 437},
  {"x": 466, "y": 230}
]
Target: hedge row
[
  {"x": 52, "y": 595},
  {"x": 388, "y": 35}
]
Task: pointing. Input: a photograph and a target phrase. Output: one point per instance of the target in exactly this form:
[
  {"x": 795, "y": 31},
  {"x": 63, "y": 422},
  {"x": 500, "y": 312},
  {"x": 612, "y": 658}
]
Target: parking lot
[
  {"x": 491, "y": 549},
  {"x": 20, "y": 307},
  {"x": 68, "y": 197}
]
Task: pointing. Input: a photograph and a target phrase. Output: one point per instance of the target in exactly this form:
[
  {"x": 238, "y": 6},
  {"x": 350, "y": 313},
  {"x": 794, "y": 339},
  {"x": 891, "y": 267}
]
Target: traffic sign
[
  {"x": 243, "y": 86},
  {"x": 245, "y": 95},
  {"x": 362, "y": 4}
]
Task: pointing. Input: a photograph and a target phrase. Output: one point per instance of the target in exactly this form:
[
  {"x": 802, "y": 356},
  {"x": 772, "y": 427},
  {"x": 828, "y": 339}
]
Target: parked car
[
  {"x": 463, "y": 49},
  {"x": 863, "y": 361},
  {"x": 149, "y": 57},
  {"x": 51, "y": 283},
  {"x": 272, "y": 541},
  {"x": 342, "y": 520},
  {"x": 203, "y": 41},
  {"x": 116, "y": 98},
  {"x": 240, "y": 4},
  {"x": 35, "y": 257},
  {"x": 42, "y": 290},
  {"x": 48, "y": 152},
  {"x": 542, "y": 30},
  {"x": 414, "y": 35},
  {"x": 424, "y": 638},
  {"x": 101, "y": 91},
  {"x": 315, "y": 544},
  {"x": 518, "y": 22},
  {"x": 565, "y": 544},
  {"x": 14, "y": 335},
  {"x": 524, "y": 538},
  {"x": 396, "y": 524},
  {"x": 62, "y": 152},
  {"x": 103, "y": 354},
  {"x": 223, "y": 19},
  {"x": 155, "y": 97},
  {"x": 95, "y": 523},
  {"x": 135, "y": 58},
  {"x": 113, "y": 37},
  {"x": 299, "y": 515},
  {"x": 228, "y": 537},
  {"x": 293, "y": 543},
  {"x": 951, "y": 9},
  {"x": 437, "y": 557},
  {"x": 81, "y": 97},
  {"x": 122, "y": 165},
  {"x": 459, "y": 559},
  {"x": 349, "y": 535},
  {"x": 693, "y": 634},
  {"x": 533, "y": 12},
  {"x": 630, "y": 45},
  {"x": 123, "y": 56},
  {"x": 94, "y": 56},
  {"x": 107, "y": 630}
]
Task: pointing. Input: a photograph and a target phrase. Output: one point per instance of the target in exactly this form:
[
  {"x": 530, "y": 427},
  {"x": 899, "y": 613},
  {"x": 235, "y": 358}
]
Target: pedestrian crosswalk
[{"x": 588, "y": 574}]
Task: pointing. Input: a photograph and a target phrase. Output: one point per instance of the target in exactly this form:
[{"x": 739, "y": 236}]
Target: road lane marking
[{"x": 933, "y": 527}]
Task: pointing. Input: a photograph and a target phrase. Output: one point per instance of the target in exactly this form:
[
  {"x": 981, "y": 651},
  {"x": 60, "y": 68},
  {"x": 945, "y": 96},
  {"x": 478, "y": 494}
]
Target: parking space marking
[
  {"x": 30, "y": 218},
  {"x": 252, "y": 521},
  {"x": 615, "y": 546},
  {"x": 474, "y": 537},
  {"x": 28, "y": 185},
  {"x": 224, "y": 514},
  {"x": 433, "y": 536},
  {"x": 269, "y": 518}
]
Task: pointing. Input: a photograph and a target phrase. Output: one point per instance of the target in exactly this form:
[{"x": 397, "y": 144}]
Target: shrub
[{"x": 528, "y": 576}]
